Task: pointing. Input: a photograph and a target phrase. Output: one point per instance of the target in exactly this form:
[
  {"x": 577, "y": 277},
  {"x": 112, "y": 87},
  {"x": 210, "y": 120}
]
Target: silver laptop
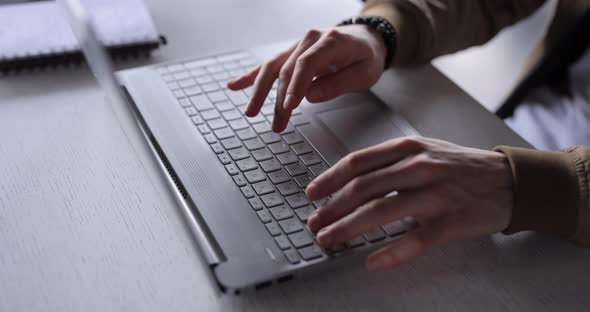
[{"x": 243, "y": 184}]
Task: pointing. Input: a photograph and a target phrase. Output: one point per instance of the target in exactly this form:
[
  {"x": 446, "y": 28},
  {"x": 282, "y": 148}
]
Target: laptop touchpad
[{"x": 360, "y": 125}]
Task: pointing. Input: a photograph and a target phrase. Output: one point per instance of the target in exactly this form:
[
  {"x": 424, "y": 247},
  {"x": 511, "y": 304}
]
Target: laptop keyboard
[{"x": 271, "y": 170}]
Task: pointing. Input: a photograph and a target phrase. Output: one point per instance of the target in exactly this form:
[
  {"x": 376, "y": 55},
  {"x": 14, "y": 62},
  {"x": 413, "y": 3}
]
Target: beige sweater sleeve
[{"x": 429, "y": 28}]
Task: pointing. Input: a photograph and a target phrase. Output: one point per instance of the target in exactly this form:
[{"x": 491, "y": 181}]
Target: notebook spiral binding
[{"x": 75, "y": 58}]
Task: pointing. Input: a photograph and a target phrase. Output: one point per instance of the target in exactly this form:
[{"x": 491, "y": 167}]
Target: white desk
[{"x": 83, "y": 228}]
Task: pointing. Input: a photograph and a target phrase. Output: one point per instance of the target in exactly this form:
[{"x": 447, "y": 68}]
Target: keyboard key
[
  {"x": 304, "y": 212},
  {"x": 231, "y": 115},
  {"x": 256, "y": 119},
  {"x": 185, "y": 83},
  {"x": 254, "y": 176},
  {"x": 262, "y": 127},
  {"x": 214, "y": 68},
  {"x": 310, "y": 252},
  {"x": 395, "y": 228},
  {"x": 194, "y": 90},
  {"x": 297, "y": 200},
  {"x": 287, "y": 158},
  {"x": 296, "y": 112},
  {"x": 292, "y": 256},
  {"x": 221, "y": 76},
  {"x": 283, "y": 242},
  {"x": 191, "y": 111},
  {"x": 247, "y": 164},
  {"x": 168, "y": 78},
  {"x": 255, "y": 203},
  {"x": 253, "y": 144},
  {"x": 239, "y": 180},
  {"x": 247, "y": 191},
  {"x": 217, "y": 96},
  {"x": 203, "y": 79},
  {"x": 302, "y": 148},
  {"x": 247, "y": 62},
  {"x": 263, "y": 187},
  {"x": 270, "y": 137},
  {"x": 288, "y": 188},
  {"x": 355, "y": 242},
  {"x": 185, "y": 102},
  {"x": 291, "y": 225},
  {"x": 271, "y": 200},
  {"x": 197, "y": 120},
  {"x": 178, "y": 94},
  {"x": 320, "y": 203},
  {"x": 267, "y": 110},
  {"x": 262, "y": 154},
  {"x": 281, "y": 212},
  {"x": 224, "y": 106},
  {"x": 296, "y": 169},
  {"x": 200, "y": 63},
  {"x": 223, "y": 133},
  {"x": 216, "y": 123},
  {"x": 209, "y": 114},
  {"x": 375, "y": 235},
  {"x": 303, "y": 180},
  {"x": 237, "y": 97},
  {"x": 292, "y": 138},
  {"x": 196, "y": 72},
  {"x": 238, "y": 124},
  {"x": 224, "y": 158},
  {"x": 245, "y": 134},
  {"x": 270, "y": 165},
  {"x": 318, "y": 169},
  {"x": 231, "y": 65},
  {"x": 210, "y": 87},
  {"x": 181, "y": 75},
  {"x": 273, "y": 228},
  {"x": 231, "y": 143},
  {"x": 311, "y": 159},
  {"x": 232, "y": 169},
  {"x": 210, "y": 138},
  {"x": 299, "y": 120},
  {"x": 301, "y": 239},
  {"x": 217, "y": 148},
  {"x": 279, "y": 176},
  {"x": 201, "y": 102},
  {"x": 279, "y": 147},
  {"x": 264, "y": 216},
  {"x": 175, "y": 68},
  {"x": 238, "y": 153}
]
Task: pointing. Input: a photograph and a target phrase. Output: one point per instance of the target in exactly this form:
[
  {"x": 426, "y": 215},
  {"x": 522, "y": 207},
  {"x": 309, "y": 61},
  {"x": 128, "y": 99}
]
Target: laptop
[{"x": 241, "y": 184}]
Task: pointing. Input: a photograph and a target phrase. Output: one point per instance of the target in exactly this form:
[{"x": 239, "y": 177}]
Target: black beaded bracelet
[{"x": 383, "y": 27}]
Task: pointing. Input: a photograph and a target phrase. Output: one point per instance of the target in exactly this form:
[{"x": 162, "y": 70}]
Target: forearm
[
  {"x": 428, "y": 28},
  {"x": 551, "y": 192}
]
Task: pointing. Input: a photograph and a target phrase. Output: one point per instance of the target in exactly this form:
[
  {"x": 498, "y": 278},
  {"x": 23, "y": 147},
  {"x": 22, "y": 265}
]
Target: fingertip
[
  {"x": 313, "y": 222},
  {"x": 311, "y": 191},
  {"x": 289, "y": 102}
]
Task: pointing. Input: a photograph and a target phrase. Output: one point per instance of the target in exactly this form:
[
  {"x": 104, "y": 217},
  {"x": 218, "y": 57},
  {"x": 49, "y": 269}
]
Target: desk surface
[{"x": 83, "y": 226}]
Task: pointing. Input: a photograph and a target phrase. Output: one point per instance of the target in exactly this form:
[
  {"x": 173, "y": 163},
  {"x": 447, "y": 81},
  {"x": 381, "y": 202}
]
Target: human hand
[
  {"x": 321, "y": 66},
  {"x": 453, "y": 192}
]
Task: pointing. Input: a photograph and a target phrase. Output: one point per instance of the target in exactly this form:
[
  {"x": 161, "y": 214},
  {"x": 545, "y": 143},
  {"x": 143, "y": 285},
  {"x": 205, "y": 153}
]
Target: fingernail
[
  {"x": 288, "y": 101},
  {"x": 377, "y": 263}
]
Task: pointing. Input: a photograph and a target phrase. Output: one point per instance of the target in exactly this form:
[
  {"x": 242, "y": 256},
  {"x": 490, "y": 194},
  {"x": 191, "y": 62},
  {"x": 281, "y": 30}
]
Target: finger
[
  {"x": 361, "y": 162},
  {"x": 265, "y": 78},
  {"x": 327, "y": 54},
  {"x": 353, "y": 78},
  {"x": 245, "y": 80},
  {"x": 401, "y": 176},
  {"x": 378, "y": 212},
  {"x": 409, "y": 246},
  {"x": 281, "y": 116}
]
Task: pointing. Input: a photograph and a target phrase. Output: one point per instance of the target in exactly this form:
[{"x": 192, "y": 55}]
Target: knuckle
[
  {"x": 412, "y": 142},
  {"x": 284, "y": 74},
  {"x": 354, "y": 160},
  {"x": 334, "y": 33},
  {"x": 357, "y": 185},
  {"x": 377, "y": 208},
  {"x": 304, "y": 60},
  {"x": 312, "y": 33}
]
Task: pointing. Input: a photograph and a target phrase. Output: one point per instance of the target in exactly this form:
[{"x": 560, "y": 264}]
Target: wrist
[{"x": 384, "y": 28}]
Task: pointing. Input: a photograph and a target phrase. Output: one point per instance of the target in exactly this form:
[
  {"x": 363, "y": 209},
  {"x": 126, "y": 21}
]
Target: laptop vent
[{"x": 168, "y": 167}]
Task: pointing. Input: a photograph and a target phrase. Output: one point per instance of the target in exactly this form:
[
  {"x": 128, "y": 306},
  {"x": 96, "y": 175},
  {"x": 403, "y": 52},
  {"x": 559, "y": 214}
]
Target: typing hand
[
  {"x": 321, "y": 66},
  {"x": 453, "y": 192}
]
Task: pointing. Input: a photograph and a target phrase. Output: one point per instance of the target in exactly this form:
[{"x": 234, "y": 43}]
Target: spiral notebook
[{"x": 37, "y": 34}]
